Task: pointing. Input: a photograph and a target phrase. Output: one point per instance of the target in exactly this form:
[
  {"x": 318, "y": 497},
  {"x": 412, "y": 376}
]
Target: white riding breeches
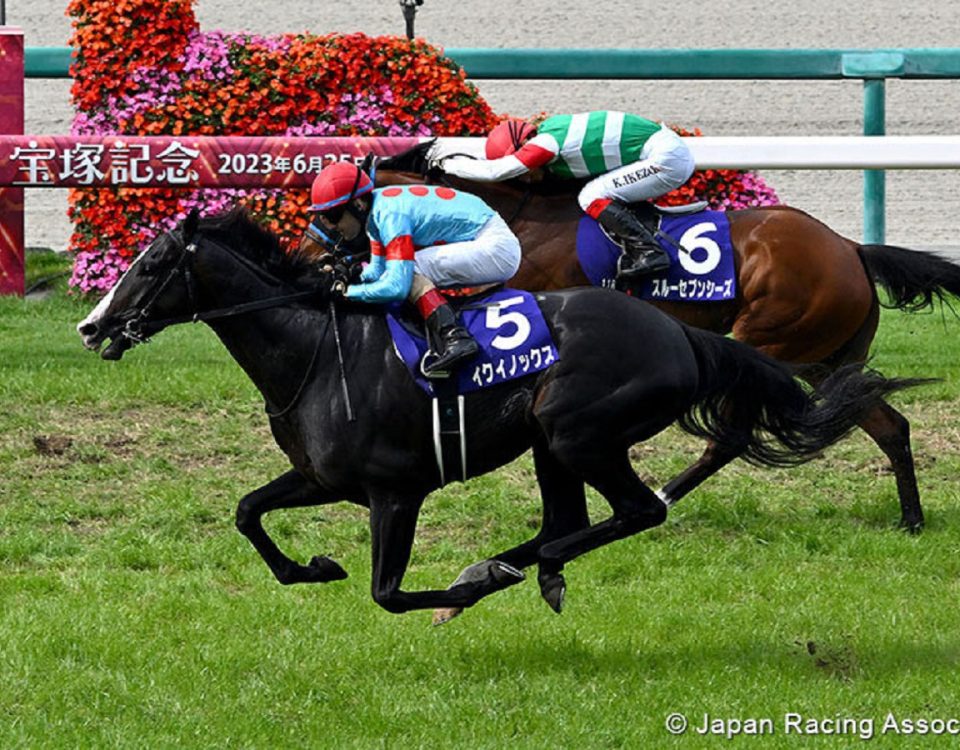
[
  {"x": 493, "y": 256},
  {"x": 666, "y": 163}
]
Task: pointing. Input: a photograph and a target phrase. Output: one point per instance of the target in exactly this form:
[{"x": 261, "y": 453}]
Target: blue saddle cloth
[
  {"x": 703, "y": 272},
  {"x": 509, "y": 327}
]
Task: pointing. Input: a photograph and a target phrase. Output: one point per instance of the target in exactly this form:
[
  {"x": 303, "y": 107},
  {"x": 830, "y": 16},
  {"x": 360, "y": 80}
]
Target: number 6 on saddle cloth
[{"x": 702, "y": 267}]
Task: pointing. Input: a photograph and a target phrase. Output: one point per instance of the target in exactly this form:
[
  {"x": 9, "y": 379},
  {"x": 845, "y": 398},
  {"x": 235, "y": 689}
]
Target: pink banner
[
  {"x": 11, "y": 198},
  {"x": 184, "y": 161}
]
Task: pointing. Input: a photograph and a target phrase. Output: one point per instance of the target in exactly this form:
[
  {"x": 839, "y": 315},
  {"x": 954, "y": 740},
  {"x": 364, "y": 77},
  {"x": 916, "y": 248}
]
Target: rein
[
  {"x": 133, "y": 328},
  {"x": 524, "y": 199},
  {"x": 229, "y": 312},
  {"x": 306, "y": 378}
]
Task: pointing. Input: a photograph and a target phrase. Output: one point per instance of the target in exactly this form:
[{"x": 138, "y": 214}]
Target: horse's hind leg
[
  {"x": 891, "y": 431},
  {"x": 714, "y": 458},
  {"x": 564, "y": 511},
  {"x": 290, "y": 490},
  {"x": 393, "y": 523},
  {"x": 887, "y": 427},
  {"x": 635, "y": 508}
]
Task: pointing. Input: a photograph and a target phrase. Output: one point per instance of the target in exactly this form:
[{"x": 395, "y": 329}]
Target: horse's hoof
[
  {"x": 492, "y": 575},
  {"x": 323, "y": 569},
  {"x": 473, "y": 573},
  {"x": 553, "y": 589},
  {"x": 499, "y": 573},
  {"x": 505, "y": 574},
  {"x": 911, "y": 526},
  {"x": 442, "y": 616}
]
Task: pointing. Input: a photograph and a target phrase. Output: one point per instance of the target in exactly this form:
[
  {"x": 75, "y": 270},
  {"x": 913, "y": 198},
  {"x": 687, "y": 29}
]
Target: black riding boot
[
  {"x": 642, "y": 256},
  {"x": 450, "y": 343}
]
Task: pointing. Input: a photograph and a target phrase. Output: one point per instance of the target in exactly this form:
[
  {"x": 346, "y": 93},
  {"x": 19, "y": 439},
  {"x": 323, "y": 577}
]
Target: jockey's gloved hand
[
  {"x": 335, "y": 280},
  {"x": 338, "y": 288},
  {"x": 433, "y": 169},
  {"x": 348, "y": 273}
]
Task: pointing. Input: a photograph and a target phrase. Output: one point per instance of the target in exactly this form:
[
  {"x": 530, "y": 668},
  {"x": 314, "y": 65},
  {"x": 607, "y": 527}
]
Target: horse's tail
[
  {"x": 749, "y": 402},
  {"x": 911, "y": 278}
]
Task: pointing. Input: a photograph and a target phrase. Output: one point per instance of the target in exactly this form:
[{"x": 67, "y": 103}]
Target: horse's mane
[{"x": 244, "y": 234}]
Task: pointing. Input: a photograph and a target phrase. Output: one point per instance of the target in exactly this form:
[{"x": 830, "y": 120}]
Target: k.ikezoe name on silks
[{"x": 862, "y": 728}]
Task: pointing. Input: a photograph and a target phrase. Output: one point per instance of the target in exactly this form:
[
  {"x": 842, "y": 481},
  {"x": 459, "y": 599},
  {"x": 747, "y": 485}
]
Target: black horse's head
[
  {"x": 171, "y": 281},
  {"x": 156, "y": 287}
]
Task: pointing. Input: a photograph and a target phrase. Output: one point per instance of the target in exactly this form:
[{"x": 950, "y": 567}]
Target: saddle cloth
[
  {"x": 702, "y": 268},
  {"x": 509, "y": 327}
]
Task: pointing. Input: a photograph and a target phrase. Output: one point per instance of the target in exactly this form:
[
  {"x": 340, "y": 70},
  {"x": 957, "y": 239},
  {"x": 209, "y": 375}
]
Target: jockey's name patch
[
  {"x": 702, "y": 267},
  {"x": 513, "y": 337}
]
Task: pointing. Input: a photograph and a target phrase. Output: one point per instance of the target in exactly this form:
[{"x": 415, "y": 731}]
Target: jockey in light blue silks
[
  {"x": 628, "y": 158},
  {"x": 420, "y": 237}
]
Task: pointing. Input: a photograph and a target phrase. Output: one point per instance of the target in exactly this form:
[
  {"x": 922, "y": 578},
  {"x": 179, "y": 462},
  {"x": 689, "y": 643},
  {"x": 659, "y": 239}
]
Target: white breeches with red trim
[
  {"x": 665, "y": 165},
  {"x": 493, "y": 256}
]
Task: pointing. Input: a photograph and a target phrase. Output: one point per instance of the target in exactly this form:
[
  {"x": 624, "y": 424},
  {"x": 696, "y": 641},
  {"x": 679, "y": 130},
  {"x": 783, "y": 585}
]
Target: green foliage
[{"x": 133, "y": 614}]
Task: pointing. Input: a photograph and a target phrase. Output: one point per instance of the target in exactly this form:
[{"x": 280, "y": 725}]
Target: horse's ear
[{"x": 190, "y": 224}]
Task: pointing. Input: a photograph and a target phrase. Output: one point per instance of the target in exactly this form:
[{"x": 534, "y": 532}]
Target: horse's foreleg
[
  {"x": 290, "y": 490},
  {"x": 714, "y": 458},
  {"x": 564, "y": 512},
  {"x": 891, "y": 431},
  {"x": 393, "y": 522}
]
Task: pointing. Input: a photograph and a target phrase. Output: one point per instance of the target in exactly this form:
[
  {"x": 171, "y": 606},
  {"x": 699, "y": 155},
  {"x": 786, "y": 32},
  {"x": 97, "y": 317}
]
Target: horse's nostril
[{"x": 87, "y": 329}]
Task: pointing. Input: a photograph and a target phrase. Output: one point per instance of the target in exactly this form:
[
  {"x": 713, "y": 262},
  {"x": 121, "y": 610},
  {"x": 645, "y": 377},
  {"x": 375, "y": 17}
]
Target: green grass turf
[{"x": 132, "y": 614}]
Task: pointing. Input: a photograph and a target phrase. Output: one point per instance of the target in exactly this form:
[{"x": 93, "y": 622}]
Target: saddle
[
  {"x": 651, "y": 214},
  {"x": 512, "y": 344},
  {"x": 651, "y": 217},
  {"x": 460, "y": 298},
  {"x": 686, "y": 208}
]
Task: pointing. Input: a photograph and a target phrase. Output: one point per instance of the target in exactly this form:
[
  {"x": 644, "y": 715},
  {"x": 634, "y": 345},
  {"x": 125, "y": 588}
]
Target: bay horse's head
[{"x": 156, "y": 289}]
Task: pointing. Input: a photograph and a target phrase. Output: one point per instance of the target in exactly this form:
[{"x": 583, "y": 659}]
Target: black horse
[{"x": 356, "y": 427}]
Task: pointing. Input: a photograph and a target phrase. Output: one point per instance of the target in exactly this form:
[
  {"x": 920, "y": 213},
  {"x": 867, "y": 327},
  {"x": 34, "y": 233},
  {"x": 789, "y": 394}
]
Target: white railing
[{"x": 796, "y": 152}]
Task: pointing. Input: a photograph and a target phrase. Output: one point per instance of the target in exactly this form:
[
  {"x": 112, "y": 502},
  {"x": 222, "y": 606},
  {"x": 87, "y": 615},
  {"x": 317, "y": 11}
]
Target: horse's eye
[
  {"x": 149, "y": 266},
  {"x": 154, "y": 261}
]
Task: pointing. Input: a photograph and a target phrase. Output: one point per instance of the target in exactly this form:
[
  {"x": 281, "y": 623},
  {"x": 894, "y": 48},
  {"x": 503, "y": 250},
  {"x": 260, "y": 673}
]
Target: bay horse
[
  {"x": 307, "y": 350},
  {"x": 805, "y": 294}
]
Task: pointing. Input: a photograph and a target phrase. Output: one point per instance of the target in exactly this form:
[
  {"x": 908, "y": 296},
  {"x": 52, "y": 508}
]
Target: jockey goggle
[
  {"x": 323, "y": 234},
  {"x": 325, "y": 231}
]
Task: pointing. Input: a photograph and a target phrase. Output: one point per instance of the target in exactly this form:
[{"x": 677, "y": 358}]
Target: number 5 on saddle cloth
[{"x": 514, "y": 342}]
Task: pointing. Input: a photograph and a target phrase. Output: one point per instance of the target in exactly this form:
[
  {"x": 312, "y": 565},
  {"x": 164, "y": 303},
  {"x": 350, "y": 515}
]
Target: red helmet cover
[
  {"x": 508, "y": 137},
  {"x": 337, "y": 184}
]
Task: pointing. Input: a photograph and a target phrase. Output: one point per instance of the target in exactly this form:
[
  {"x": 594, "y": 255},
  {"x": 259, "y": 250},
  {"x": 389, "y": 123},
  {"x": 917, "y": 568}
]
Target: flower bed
[
  {"x": 143, "y": 67},
  {"x": 723, "y": 189}
]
